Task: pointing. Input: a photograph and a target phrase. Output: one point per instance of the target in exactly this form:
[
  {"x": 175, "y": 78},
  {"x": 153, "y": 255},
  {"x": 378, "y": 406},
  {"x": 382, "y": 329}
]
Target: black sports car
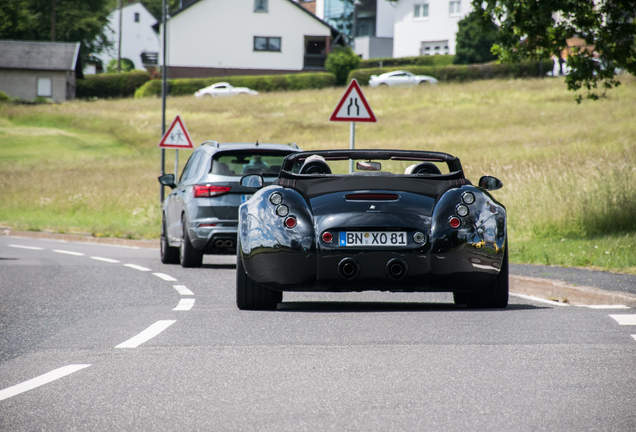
[{"x": 403, "y": 221}]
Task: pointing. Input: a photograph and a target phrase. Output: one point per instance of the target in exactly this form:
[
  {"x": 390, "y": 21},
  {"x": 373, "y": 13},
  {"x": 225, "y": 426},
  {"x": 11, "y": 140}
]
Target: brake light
[
  {"x": 207, "y": 191},
  {"x": 290, "y": 222},
  {"x": 454, "y": 222}
]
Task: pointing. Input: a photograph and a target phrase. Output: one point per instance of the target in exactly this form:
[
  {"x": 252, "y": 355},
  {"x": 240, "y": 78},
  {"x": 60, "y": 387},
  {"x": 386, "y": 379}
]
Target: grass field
[{"x": 569, "y": 170}]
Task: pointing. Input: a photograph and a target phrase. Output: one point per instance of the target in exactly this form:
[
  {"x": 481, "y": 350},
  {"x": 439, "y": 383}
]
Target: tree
[
  {"x": 81, "y": 21},
  {"x": 154, "y": 7},
  {"x": 340, "y": 62},
  {"x": 474, "y": 40},
  {"x": 535, "y": 29}
]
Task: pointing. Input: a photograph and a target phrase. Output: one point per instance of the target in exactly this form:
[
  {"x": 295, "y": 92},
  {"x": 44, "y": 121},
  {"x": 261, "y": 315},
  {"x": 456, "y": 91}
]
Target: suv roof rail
[
  {"x": 293, "y": 145},
  {"x": 216, "y": 143}
]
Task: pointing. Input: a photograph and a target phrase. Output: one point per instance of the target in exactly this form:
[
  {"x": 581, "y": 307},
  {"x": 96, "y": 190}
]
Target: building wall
[
  {"x": 220, "y": 34},
  {"x": 385, "y": 19},
  {"x": 440, "y": 27},
  {"x": 23, "y": 83},
  {"x": 137, "y": 37},
  {"x": 369, "y": 47}
]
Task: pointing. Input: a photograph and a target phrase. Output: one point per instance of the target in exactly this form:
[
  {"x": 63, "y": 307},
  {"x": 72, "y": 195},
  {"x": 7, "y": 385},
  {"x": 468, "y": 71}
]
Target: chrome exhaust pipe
[
  {"x": 348, "y": 268},
  {"x": 228, "y": 243},
  {"x": 396, "y": 269},
  {"x": 219, "y": 243}
]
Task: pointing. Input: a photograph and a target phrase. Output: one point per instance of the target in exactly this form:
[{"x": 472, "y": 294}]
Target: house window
[
  {"x": 44, "y": 87},
  {"x": 267, "y": 43},
  {"x": 420, "y": 11},
  {"x": 455, "y": 7},
  {"x": 260, "y": 5},
  {"x": 136, "y": 16}
]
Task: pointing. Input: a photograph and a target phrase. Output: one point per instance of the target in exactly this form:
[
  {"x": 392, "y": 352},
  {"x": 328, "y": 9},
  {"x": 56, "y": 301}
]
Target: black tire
[
  {"x": 169, "y": 254},
  {"x": 460, "y": 298},
  {"x": 188, "y": 255},
  {"x": 495, "y": 294},
  {"x": 251, "y": 295}
]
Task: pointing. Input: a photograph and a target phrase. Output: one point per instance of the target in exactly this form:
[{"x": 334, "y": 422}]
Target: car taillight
[
  {"x": 290, "y": 222},
  {"x": 454, "y": 222},
  {"x": 327, "y": 237},
  {"x": 207, "y": 191}
]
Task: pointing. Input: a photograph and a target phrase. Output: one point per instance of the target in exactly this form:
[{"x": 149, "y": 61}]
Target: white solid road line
[
  {"x": 540, "y": 300},
  {"x": 147, "y": 334},
  {"x": 181, "y": 289},
  {"x": 608, "y": 306},
  {"x": 136, "y": 267},
  {"x": 625, "y": 319},
  {"x": 108, "y": 260},
  {"x": 634, "y": 336},
  {"x": 41, "y": 380},
  {"x": 68, "y": 252},
  {"x": 25, "y": 247},
  {"x": 165, "y": 277},
  {"x": 184, "y": 304}
]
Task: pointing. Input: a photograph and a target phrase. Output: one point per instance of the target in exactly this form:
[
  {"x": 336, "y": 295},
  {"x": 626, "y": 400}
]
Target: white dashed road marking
[
  {"x": 41, "y": 380},
  {"x": 147, "y": 334},
  {"x": 181, "y": 289},
  {"x": 165, "y": 277},
  {"x": 184, "y": 304},
  {"x": 136, "y": 267},
  {"x": 540, "y": 300},
  {"x": 625, "y": 319},
  {"x": 634, "y": 336},
  {"x": 68, "y": 252},
  {"x": 108, "y": 260},
  {"x": 26, "y": 247},
  {"x": 608, "y": 307}
]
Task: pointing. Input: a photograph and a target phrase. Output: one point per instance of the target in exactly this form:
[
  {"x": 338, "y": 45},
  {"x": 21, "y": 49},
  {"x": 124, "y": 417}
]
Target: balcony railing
[{"x": 314, "y": 61}]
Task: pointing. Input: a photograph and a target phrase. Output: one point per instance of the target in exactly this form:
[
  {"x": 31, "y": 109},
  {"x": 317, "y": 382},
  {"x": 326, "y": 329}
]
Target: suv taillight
[{"x": 207, "y": 191}]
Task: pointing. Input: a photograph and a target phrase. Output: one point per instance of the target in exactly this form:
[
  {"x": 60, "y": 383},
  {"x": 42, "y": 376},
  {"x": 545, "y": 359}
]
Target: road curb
[
  {"x": 563, "y": 292},
  {"x": 549, "y": 289}
]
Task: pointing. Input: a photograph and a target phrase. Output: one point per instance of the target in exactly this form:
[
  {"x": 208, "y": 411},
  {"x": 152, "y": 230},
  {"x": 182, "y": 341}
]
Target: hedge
[
  {"x": 427, "y": 60},
  {"x": 261, "y": 83},
  {"x": 110, "y": 85},
  {"x": 463, "y": 72}
]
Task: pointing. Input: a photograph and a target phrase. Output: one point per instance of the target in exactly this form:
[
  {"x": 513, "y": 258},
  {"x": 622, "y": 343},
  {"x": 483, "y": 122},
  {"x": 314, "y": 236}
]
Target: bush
[
  {"x": 463, "y": 73},
  {"x": 434, "y": 60},
  {"x": 126, "y": 66},
  {"x": 475, "y": 40},
  {"x": 261, "y": 83},
  {"x": 111, "y": 85},
  {"x": 4, "y": 97},
  {"x": 341, "y": 62}
]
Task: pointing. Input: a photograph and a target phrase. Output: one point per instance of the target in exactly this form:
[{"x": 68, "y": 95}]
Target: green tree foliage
[
  {"x": 154, "y": 7},
  {"x": 474, "y": 40},
  {"x": 340, "y": 62},
  {"x": 534, "y": 29},
  {"x": 81, "y": 21},
  {"x": 126, "y": 65}
]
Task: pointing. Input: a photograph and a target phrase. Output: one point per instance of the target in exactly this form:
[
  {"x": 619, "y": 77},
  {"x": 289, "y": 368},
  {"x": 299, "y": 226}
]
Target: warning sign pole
[{"x": 352, "y": 143}]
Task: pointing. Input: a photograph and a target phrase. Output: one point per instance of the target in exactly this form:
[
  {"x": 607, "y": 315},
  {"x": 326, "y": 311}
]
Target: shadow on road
[
  {"x": 333, "y": 307},
  {"x": 219, "y": 266}
]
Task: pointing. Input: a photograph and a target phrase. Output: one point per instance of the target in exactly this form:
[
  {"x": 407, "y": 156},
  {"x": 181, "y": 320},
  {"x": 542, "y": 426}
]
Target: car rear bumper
[{"x": 220, "y": 239}]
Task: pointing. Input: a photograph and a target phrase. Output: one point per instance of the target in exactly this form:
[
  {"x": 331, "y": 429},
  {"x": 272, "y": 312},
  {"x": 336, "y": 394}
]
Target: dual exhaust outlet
[
  {"x": 224, "y": 244},
  {"x": 395, "y": 269}
]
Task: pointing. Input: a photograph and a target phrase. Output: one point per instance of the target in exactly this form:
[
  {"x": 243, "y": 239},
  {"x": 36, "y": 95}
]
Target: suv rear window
[{"x": 248, "y": 162}]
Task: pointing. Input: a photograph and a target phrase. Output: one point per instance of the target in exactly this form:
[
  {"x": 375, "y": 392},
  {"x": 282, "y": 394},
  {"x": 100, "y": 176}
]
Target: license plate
[
  {"x": 372, "y": 238},
  {"x": 245, "y": 198}
]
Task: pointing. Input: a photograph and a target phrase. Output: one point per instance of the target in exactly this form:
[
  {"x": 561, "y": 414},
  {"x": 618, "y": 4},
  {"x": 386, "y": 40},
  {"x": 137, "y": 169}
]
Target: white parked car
[
  {"x": 400, "y": 79},
  {"x": 224, "y": 89}
]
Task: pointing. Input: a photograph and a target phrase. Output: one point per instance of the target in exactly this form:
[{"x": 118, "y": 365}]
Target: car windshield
[
  {"x": 339, "y": 166},
  {"x": 241, "y": 163}
]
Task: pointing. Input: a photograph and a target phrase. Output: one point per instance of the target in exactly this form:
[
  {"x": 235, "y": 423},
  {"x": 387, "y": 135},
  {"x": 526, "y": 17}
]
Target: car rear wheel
[
  {"x": 251, "y": 295},
  {"x": 189, "y": 256},
  {"x": 495, "y": 294},
  {"x": 460, "y": 298},
  {"x": 169, "y": 254}
]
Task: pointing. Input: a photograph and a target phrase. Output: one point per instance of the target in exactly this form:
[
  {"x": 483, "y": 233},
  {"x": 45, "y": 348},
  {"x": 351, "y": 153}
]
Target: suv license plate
[{"x": 372, "y": 238}]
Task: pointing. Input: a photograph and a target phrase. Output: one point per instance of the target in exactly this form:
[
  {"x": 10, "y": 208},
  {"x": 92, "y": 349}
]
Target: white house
[
  {"x": 427, "y": 27},
  {"x": 238, "y": 37},
  {"x": 139, "y": 43}
]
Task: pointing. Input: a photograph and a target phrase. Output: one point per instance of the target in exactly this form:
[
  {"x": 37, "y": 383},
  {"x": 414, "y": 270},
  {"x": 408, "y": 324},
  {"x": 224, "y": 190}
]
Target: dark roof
[{"x": 39, "y": 55}]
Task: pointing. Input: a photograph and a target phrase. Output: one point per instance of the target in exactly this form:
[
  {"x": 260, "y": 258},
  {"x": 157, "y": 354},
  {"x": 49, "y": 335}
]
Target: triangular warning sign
[
  {"x": 177, "y": 136},
  {"x": 353, "y": 106}
]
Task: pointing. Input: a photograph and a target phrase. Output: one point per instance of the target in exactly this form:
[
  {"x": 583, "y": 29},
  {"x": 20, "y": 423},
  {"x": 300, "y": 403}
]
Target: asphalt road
[{"x": 96, "y": 337}]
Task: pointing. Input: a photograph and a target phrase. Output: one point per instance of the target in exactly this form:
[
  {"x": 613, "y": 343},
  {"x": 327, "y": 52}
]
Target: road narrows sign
[
  {"x": 177, "y": 136},
  {"x": 353, "y": 107}
]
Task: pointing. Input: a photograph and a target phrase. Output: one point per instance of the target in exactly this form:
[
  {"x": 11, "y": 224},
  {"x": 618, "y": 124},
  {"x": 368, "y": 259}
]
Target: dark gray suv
[{"x": 200, "y": 215}]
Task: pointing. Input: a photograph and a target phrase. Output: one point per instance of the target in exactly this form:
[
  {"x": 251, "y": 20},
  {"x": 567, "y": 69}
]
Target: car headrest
[
  {"x": 315, "y": 164},
  {"x": 425, "y": 168}
]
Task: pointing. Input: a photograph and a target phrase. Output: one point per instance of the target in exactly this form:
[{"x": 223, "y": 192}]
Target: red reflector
[
  {"x": 206, "y": 225},
  {"x": 290, "y": 222},
  {"x": 207, "y": 191},
  {"x": 372, "y": 197},
  {"x": 327, "y": 237},
  {"x": 454, "y": 222}
]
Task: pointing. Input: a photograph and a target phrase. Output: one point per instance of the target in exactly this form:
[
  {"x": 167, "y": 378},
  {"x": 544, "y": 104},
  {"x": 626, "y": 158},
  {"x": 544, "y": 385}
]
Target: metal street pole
[
  {"x": 352, "y": 143},
  {"x": 164, "y": 76}
]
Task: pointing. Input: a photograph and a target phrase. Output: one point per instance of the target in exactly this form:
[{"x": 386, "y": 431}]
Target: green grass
[{"x": 569, "y": 170}]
